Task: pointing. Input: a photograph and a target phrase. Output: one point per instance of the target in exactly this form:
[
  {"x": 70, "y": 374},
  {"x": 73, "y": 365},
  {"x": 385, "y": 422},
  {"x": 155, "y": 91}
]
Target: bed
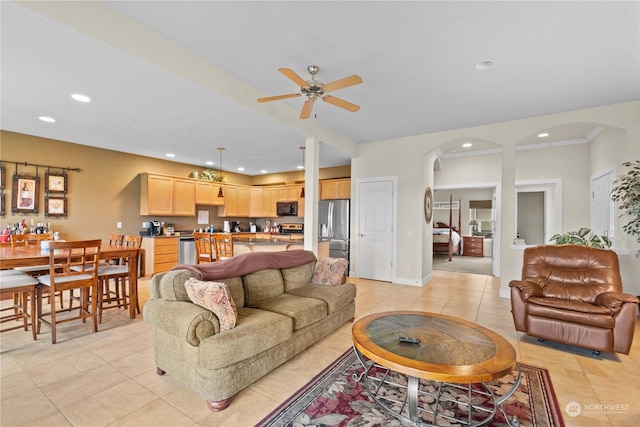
[{"x": 446, "y": 237}]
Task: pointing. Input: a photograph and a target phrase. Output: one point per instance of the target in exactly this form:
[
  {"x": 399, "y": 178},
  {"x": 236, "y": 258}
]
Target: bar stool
[
  {"x": 223, "y": 244},
  {"x": 204, "y": 247}
]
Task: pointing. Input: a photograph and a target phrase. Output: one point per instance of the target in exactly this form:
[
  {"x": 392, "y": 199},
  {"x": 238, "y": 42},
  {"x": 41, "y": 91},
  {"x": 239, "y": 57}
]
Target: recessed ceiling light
[
  {"x": 80, "y": 98},
  {"x": 47, "y": 119},
  {"x": 263, "y": 171},
  {"x": 209, "y": 163},
  {"x": 170, "y": 155},
  {"x": 483, "y": 65},
  {"x": 467, "y": 144},
  {"x": 241, "y": 169},
  {"x": 543, "y": 135}
]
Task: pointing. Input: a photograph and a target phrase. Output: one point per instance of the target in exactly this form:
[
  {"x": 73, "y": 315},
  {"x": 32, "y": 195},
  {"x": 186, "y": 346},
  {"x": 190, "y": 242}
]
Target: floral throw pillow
[
  {"x": 215, "y": 297},
  {"x": 329, "y": 271}
]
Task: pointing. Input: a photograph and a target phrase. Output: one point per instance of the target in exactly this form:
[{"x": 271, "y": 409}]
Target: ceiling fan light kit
[{"x": 314, "y": 89}]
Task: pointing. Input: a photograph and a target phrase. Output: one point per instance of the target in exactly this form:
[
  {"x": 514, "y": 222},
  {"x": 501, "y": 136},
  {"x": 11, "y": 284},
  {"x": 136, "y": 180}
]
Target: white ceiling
[{"x": 183, "y": 76}]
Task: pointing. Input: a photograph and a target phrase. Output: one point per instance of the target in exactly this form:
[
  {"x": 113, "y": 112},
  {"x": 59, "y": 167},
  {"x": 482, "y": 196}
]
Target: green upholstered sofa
[{"x": 279, "y": 314}]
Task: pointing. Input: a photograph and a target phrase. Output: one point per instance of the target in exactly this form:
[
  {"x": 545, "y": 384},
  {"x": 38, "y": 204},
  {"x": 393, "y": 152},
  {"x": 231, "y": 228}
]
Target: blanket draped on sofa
[{"x": 248, "y": 263}]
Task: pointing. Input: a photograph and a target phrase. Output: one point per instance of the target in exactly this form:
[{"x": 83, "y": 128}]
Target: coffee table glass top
[
  {"x": 442, "y": 341},
  {"x": 450, "y": 349}
]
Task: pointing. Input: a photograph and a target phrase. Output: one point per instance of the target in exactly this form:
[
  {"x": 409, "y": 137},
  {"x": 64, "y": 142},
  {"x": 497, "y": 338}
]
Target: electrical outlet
[
  {"x": 145, "y": 225},
  {"x": 119, "y": 225}
]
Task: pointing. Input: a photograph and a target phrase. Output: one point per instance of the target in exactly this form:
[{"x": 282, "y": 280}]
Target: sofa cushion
[
  {"x": 235, "y": 289},
  {"x": 256, "y": 331},
  {"x": 295, "y": 277},
  {"x": 329, "y": 271},
  {"x": 303, "y": 311},
  {"x": 336, "y": 297},
  {"x": 261, "y": 285},
  {"x": 215, "y": 297},
  {"x": 171, "y": 285}
]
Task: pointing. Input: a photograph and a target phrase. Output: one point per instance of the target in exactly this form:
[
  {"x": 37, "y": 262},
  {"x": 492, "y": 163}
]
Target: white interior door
[
  {"x": 602, "y": 208},
  {"x": 375, "y": 230}
]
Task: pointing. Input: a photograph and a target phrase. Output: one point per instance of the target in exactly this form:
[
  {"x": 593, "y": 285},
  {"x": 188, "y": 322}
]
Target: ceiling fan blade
[
  {"x": 293, "y": 76},
  {"x": 341, "y": 103},
  {"x": 342, "y": 83},
  {"x": 306, "y": 110},
  {"x": 277, "y": 97}
]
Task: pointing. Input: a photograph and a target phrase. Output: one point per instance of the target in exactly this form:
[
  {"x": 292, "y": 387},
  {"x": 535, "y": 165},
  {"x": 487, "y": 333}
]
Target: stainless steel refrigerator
[{"x": 333, "y": 220}]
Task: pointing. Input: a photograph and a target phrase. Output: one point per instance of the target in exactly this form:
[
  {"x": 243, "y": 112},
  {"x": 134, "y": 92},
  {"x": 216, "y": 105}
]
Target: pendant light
[
  {"x": 220, "y": 149},
  {"x": 302, "y": 191}
]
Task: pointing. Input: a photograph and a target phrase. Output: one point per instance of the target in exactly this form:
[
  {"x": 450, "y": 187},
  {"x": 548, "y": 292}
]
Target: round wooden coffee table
[{"x": 445, "y": 361}]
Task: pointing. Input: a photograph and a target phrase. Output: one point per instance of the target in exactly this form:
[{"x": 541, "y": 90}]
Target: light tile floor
[{"x": 109, "y": 379}]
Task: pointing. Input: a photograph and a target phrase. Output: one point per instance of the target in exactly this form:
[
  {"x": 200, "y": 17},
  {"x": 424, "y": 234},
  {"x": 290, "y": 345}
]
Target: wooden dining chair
[
  {"x": 18, "y": 240},
  {"x": 118, "y": 272},
  {"x": 204, "y": 247},
  {"x": 31, "y": 240},
  {"x": 223, "y": 245},
  {"x": 79, "y": 270},
  {"x": 22, "y": 287}
]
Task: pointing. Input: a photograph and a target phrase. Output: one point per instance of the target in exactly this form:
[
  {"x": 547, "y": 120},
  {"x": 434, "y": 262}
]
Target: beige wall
[
  {"x": 573, "y": 165},
  {"x": 107, "y": 188}
]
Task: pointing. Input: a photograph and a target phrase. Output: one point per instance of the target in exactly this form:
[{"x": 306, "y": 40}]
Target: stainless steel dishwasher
[{"x": 187, "y": 250}]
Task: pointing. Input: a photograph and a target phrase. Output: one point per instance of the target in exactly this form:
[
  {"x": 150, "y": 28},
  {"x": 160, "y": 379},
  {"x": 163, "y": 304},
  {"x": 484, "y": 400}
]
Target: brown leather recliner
[{"x": 573, "y": 294}]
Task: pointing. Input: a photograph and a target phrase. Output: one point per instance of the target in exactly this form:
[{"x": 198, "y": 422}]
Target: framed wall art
[
  {"x": 2, "y": 205},
  {"x": 3, "y": 177},
  {"x": 55, "y": 206},
  {"x": 25, "y": 194},
  {"x": 56, "y": 182}
]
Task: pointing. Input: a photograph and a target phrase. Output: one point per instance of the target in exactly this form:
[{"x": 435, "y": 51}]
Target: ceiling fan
[{"x": 314, "y": 89}]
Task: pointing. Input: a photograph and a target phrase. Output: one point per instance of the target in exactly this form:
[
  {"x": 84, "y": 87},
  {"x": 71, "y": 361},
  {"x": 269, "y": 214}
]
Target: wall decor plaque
[
  {"x": 25, "y": 194},
  {"x": 56, "y": 182}
]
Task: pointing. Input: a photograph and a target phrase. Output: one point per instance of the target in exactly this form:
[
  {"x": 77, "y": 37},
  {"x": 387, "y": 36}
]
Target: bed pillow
[
  {"x": 329, "y": 271},
  {"x": 215, "y": 297}
]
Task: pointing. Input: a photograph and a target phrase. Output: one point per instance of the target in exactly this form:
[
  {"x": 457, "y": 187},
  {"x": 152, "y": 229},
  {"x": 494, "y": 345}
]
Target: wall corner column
[{"x": 311, "y": 193}]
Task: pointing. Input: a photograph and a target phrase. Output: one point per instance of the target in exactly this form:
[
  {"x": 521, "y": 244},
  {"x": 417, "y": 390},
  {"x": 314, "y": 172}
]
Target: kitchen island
[{"x": 245, "y": 244}]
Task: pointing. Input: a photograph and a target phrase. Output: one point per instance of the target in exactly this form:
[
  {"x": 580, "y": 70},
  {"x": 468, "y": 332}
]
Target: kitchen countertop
[{"x": 263, "y": 241}]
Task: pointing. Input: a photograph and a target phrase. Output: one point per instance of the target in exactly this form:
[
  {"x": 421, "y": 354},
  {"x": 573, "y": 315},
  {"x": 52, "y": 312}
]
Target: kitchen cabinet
[
  {"x": 256, "y": 202},
  {"x": 167, "y": 196},
  {"x": 207, "y": 193},
  {"x": 236, "y": 201},
  {"x": 473, "y": 246},
  {"x": 184, "y": 197},
  {"x": 269, "y": 199},
  {"x": 300, "y": 206},
  {"x": 331, "y": 189},
  {"x": 289, "y": 193},
  {"x": 160, "y": 254}
]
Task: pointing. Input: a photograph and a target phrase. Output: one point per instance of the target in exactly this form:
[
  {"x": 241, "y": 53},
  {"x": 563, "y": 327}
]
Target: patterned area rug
[{"x": 335, "y": 398}]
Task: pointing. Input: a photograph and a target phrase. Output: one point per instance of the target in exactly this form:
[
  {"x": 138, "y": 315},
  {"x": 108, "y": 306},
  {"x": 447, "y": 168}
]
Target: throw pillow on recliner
[
  {"x": 215, "y": 297},
  {"x": 329, "y": 271}
]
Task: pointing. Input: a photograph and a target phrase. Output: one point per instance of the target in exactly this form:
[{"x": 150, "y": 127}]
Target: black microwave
[{"x": 287, "y": 208}]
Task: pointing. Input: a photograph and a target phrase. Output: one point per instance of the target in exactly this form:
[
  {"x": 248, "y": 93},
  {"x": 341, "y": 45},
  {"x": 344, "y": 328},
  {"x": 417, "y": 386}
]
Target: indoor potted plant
[
  {"x": 626, "y": 192},
  {"x": 583, "y": 237}
]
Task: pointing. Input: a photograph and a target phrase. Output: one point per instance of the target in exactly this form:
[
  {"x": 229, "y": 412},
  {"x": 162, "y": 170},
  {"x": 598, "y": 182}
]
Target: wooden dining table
[{"x": 27, "y": 256}]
